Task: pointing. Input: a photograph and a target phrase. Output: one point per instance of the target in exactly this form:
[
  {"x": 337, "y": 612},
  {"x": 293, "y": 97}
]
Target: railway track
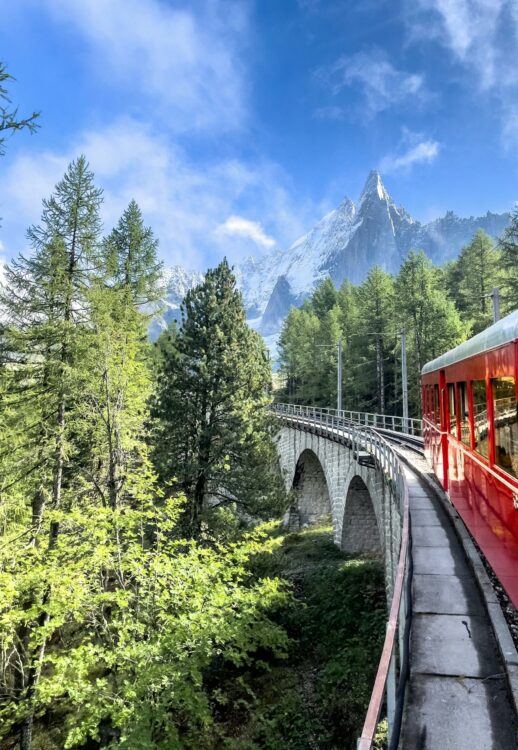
[{"x": 412, "y": 442}]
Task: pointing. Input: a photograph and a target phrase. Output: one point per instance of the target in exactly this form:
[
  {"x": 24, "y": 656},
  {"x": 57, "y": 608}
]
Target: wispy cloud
[
  {"x": 186, "y": 61},
  {"x": 422, "y": 152},
  {"x": 380, "y": 83},
  {"x": 479, "y": 33},
  {"x": 185, "y": 203},
  {"x": 237, "y": 226},
  {"x": 482, "y": 37}
]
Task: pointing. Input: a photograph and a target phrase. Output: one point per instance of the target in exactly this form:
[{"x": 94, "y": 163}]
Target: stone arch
[
  {"x": 360, "y": 530},
  {"x": 312, "y": 502}
]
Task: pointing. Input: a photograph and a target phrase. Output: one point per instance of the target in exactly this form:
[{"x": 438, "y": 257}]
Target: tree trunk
[{"x": 35, "y": 667}]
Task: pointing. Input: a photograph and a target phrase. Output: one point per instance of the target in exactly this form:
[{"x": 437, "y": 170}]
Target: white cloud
[
  {"x": 423, "y": 152},
  {"x": 241, "y": 227},
  {"x": 186, "y": 61},
  {"x": 381, "y": 84},
  {"x": 475, "y": 31},
  {"x": 183, "y": 202},
  {"x": 482, "y": 37}
]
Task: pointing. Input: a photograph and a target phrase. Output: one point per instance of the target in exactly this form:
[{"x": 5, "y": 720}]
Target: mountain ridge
[{"x": 344, "y": 244}]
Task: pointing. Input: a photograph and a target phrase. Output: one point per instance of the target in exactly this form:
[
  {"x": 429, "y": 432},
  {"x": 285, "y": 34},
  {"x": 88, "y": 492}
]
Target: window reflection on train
[
  {"x": 463, "y": 409},
  {"x": 436, "y": 405},
  {"x": 506, "y": 424},
  {"x": 452, "y": 409},
  {"x": 480, "y": 422}
]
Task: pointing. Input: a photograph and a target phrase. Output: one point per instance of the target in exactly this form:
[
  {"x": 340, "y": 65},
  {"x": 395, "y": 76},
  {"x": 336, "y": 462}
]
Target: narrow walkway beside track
[{"x": 457, "y": 697}]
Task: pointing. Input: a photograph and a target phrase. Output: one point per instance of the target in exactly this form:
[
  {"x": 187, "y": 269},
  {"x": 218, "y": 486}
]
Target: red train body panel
[{"x": 470, "y": 427}]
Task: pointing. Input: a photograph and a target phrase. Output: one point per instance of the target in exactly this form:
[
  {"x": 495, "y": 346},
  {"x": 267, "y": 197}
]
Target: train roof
[{"x": 498, "y": 334}]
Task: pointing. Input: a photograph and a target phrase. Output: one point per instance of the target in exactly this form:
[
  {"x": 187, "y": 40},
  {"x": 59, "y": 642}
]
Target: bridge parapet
[
  {"x": 386, "y": 422},
  {"x": 359, "y": 464}
]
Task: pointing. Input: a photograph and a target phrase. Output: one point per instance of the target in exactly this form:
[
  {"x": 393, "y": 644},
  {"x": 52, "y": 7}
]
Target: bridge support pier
[{"x": 327, "y": 480}]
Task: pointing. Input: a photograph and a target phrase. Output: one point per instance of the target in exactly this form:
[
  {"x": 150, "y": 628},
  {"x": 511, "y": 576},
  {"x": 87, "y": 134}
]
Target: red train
[{"x": 470, "y": 427}]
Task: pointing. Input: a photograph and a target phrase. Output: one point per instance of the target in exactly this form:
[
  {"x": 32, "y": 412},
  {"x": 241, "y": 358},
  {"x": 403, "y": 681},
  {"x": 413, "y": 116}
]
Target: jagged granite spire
[{"x": 374, "y": 186}]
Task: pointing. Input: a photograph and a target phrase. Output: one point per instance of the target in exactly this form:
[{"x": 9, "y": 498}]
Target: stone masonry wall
[{"x": 357, "y": 495}]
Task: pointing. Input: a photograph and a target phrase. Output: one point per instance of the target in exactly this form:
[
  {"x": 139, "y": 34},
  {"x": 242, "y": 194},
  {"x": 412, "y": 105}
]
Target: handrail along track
[{"x": 393, "y": 667}]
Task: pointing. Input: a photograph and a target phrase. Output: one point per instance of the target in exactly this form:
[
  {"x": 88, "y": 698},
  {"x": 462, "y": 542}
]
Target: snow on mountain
[
  {"x": 177, "y": 282},
  {"x": 345, "y": 244}
]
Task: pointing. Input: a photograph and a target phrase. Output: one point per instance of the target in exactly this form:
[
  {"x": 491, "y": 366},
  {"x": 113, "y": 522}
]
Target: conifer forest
[{"x": 437, "y": 306}]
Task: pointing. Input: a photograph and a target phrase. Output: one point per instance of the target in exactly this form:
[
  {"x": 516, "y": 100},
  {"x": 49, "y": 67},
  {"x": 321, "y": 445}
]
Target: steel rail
[{"x": 386, "y": 685}]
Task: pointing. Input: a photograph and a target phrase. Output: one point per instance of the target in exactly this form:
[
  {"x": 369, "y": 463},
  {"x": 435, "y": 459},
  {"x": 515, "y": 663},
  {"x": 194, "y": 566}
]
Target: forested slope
[{"x": 437, "y": 307}]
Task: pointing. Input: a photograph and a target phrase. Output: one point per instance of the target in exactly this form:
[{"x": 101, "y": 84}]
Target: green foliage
[
  {"x": 369, "y": 320},
  {"x": 212, "y": 432},
  {"x": 471, "y": 279},
  {"x": 129, "y": 257},
  {"x": 318, "y": 698},
  {"x": 375, "y": 347},
  {"x": 432, "y": 324},
  {"x": 10, "y": 123},
  {"x": 508, "y": 246},
  {"x": 142, "y": 619},
  {"x": 113, "y": 626},
  {"x": 308, "y": 347}
]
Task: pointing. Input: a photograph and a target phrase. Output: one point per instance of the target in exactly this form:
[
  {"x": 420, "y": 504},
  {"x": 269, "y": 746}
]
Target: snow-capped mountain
[
  {"x": 345, "y": 244},
  {"x": 177, "y": 282}
]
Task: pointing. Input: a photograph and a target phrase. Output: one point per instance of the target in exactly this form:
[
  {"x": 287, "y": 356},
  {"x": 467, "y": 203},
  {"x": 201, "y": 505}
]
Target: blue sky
[{"x": 236, "y": 125}]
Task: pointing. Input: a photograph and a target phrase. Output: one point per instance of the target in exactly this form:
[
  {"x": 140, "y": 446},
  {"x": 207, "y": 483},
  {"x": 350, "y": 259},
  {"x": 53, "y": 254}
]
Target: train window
[
  {"x": 436, "y": 407},
  {"x": 463, "y": 410},
  {"x": 506, "y": 424},
  {"x": 452, "y": 410},
  {"x": 480, "y": 422}
]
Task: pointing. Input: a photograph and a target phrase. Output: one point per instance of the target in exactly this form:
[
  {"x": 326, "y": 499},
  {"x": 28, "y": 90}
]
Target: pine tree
[
  {"x": 307, "y": 355},
  {"x": 324, "y": 298},
  {"x": 430, "y": 319},
  {"x": 476, "y": 275},
  {"x": 129, "y": 255},
  {"x": 508, "y": 246},
  {"x": 10, "y": 123},
  {"x": 374, "y": 338},
  {"x": 119, "y": 383},
  {"x": 348, "y": 322},
  {"x": 45, "y": 306},
  {"x": 213, "y": 433},
  {"x": 105, "y": 611}
]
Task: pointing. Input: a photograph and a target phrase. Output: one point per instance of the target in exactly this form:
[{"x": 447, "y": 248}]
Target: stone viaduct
[{"x": 328, "y": 481}]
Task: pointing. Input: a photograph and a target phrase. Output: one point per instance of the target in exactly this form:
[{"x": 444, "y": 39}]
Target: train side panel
[{"x": 476, "y": 459}]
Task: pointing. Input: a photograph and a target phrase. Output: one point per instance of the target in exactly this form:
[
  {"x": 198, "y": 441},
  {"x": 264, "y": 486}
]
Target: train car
[{"x": 470, "y": 428}]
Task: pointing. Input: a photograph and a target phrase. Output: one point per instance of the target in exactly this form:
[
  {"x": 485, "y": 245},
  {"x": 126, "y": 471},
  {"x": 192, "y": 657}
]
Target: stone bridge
[{"x": 331, "y": 480}]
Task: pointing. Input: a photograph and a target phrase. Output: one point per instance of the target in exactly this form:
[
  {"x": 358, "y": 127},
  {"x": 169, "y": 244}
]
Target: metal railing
[
  {"x": 392, "y": 422},
  {"x": 393, "y": 667}
]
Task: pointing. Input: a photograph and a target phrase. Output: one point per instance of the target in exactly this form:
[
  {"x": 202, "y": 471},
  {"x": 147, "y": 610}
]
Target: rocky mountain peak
[
  {"x": 374, "y": 188},
  {"x": 344, "y": 244}
]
